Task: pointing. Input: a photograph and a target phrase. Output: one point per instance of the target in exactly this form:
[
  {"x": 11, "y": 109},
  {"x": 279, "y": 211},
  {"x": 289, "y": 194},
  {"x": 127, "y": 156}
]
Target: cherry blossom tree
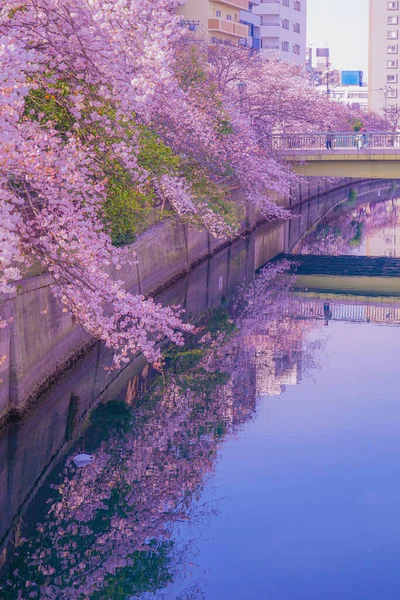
[
  {"x": 82, "y": 84},
  {"x": 99, "y": 63}
]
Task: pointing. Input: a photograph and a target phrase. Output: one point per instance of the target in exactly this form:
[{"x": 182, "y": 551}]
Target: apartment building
[
  {"x": 221, "y": 18},
  {"x": 352, "y": 96},
  {"x": 283, "y": 28},
  {"x": 253, "y": 21},
  {"x": 384, "y": 87}
]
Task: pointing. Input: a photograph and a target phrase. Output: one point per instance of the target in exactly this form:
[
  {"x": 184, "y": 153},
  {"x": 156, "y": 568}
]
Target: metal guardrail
[{"x": 331, "y": 140}]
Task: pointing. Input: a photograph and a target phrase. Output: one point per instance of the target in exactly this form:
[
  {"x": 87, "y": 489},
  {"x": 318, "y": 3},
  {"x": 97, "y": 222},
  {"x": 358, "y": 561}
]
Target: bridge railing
[
  {"x": 336, "y": 141},
  {"x": 361, "y": 312}
]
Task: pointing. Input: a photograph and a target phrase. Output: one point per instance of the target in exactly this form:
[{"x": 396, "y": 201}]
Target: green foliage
[
  {"x": 148, "y": 574},
  {"x": 224, "y": 126},
  {"x": 110, "y": 419},
  {"x": 128, "y": 207},
  {"x": 357, "y": 239},
  {"x": 352, "y": 196},
  {"x": 39, "y": 105},
  {"x": 215, "y": 195},
  {"x": 357, "y": 125},
  {"x": 219, "y": 321},
  {"x": 125, "y": 209},
  {"x": 191, "y": 71},
  {"x": 183, "y": 360},
  {"x": 155, "y": 156}
]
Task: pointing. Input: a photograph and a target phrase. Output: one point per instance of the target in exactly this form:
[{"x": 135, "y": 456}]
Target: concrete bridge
[{"x": 335, "y": 154}]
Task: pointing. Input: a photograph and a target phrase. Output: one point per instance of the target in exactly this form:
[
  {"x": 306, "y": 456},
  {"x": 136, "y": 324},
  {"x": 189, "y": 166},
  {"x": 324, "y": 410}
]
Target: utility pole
[
  {"x": 385, "y": 91},
  {"x": 327, "y": 75}
]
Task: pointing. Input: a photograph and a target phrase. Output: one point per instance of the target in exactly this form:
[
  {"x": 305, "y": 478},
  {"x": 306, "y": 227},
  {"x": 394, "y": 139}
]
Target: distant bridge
[{"x": 336, "y": 154}]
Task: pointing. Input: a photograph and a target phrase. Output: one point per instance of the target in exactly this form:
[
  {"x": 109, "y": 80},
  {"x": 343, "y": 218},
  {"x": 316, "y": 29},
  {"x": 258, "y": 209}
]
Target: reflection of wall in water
[{"x": 385, "y": 240}]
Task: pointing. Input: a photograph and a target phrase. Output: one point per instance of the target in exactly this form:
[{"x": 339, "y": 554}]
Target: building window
[
  {"x": 217, "y": 13},
  {"x": 393, "y": 5},
  {"x": 266, "y": 43},
  {"x": 391, "y": 78},
  {"x": 359, "y": 95},
  {"x": 392, "y": 49},
  {"x": 392, "y": 64},
  {"x": 296, "y": 27},
  {"x": 296, "y": 49},
  {"x": 392, "y": 35},
  {"x": 285, "y": 46},
  {"x": 286, "y": 2},
  {"x": 393, "y": 21},
  {"x": 391, "y": 93},
  {"x": 296, "y": 5},
  {"x": 285, "y": 23},
  {"x": 229, "y": 17}
]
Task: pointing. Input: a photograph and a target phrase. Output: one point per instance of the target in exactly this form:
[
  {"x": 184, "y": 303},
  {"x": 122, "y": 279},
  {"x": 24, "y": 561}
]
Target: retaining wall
[{"x": 42, "y": 339}]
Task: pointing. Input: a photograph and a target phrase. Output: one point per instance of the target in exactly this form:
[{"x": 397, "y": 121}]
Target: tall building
[
  {"x": 253, "y": 21},
  {"x": 383, "y": 82},
  {"x": 221, "y": 18},
  {"x": 283, "y": 28}
]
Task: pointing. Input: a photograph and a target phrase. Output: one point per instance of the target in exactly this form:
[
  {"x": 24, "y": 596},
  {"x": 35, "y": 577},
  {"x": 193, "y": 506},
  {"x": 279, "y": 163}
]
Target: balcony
[
  {"x": 217, "y": 25},
  {"x": 268, "y": 8},
  {"x": 241, "y": 4},
  {"x": 248, "y": 17},
  {"x": 269, "y": 30}
]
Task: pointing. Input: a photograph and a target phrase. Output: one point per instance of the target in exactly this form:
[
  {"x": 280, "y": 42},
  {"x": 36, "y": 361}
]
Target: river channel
[{"x": 263, "y": 462}]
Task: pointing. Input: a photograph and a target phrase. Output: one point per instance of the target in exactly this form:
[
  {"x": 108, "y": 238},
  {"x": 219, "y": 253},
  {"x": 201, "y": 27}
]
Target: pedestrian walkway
[{"x": 337, "y": 154}]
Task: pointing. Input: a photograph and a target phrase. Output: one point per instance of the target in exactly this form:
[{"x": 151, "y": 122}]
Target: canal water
[{"x": 264, "y": 462}]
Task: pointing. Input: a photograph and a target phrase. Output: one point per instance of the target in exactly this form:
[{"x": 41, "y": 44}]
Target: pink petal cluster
[{"x": 112, "y": 68}]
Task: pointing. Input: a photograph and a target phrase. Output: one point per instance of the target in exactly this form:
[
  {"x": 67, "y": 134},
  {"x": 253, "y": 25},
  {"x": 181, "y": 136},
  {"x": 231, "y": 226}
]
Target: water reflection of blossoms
[
  {"x": 107, "y": 531},
  {"x": 346, "y": 228}
]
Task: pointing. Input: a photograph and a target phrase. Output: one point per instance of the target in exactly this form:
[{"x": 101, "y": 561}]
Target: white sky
[{"x": 343, "y": 26}]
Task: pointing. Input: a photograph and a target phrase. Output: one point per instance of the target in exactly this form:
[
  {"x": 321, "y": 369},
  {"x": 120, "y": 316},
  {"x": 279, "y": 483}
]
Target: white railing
[{"x": 332, "y": 140}]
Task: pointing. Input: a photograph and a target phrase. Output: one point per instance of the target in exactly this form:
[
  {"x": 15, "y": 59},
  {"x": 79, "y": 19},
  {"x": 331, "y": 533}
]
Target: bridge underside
[{"x": 363, "y": 166}]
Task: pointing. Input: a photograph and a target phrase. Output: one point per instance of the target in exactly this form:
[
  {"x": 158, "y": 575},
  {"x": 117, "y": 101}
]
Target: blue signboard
[{"x": 352, "y": 78}]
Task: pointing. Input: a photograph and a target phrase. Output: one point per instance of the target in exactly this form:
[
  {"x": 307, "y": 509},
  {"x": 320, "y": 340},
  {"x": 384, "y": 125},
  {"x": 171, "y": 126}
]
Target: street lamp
[
  {"x": 327, "y": 74},
  {"x": 241, "y": 86}
]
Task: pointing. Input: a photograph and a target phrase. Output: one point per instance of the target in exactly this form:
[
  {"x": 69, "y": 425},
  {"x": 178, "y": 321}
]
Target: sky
[{"x": 343, "y": 26}]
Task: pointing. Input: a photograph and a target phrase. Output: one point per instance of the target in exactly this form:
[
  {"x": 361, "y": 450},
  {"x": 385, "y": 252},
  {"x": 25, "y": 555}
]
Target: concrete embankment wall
[
  {"x": 31, "y": 448},
  {"x": 43, "y": 340}
]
